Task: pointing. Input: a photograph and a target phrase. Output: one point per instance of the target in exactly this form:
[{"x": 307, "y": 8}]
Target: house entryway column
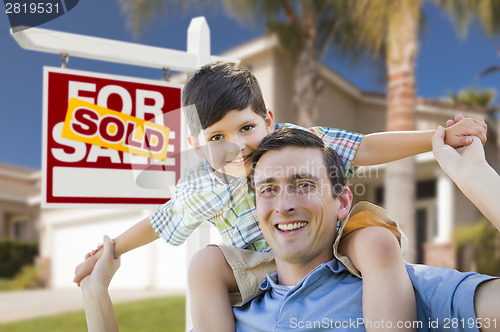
[
  {"x": 445, "y": 207},
  {"x": 441, "y": 252}
]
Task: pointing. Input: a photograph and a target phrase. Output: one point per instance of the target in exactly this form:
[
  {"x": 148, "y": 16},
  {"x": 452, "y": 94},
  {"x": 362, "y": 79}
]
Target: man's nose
[{"x": 286, "y": 203}]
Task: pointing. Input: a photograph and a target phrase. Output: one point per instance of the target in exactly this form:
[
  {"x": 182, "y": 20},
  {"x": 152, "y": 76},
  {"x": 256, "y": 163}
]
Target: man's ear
[
  {"x": 269, "y": 121},
  {"x": 345, "y": 201},
  {"x": 196, "y": 145}
]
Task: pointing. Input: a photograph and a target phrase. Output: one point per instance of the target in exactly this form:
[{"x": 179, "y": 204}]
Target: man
[
  {"x": 296, "y": 185},
  {"x": 300, "y": 195}
]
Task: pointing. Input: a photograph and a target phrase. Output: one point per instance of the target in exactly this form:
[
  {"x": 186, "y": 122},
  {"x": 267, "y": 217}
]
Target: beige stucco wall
[
  {"x": 262, "y": 66},
  {"x": 465, "y": 212},
  {"x": 283, "y": 88},
  {"x": 337, "y": 108},
  {"x": 371, "y": 117},
  {"x": 19, "y": 200},
  {"x": 11, "y": 210}
]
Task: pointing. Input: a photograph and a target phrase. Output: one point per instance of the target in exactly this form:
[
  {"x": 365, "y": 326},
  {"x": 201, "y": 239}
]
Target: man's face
[
  {"x": 230, "y": 143},
  {"x": 295, "y": 205}
]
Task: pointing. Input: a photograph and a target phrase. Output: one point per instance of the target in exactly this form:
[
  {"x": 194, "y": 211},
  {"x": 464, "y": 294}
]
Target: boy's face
[{"x": 229, "y": 144}]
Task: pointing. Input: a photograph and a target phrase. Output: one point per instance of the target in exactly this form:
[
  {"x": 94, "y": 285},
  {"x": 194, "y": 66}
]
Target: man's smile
[{"x": 291, "y": 226}]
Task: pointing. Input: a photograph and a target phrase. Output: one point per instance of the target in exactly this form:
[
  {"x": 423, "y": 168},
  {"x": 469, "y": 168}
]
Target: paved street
[{"x": 21, "y": 305}]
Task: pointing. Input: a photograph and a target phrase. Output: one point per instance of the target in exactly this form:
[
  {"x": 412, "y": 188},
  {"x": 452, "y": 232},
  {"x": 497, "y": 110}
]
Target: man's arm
[
  {"x": 136, "y": 236},
  {"x": 467, "y": 167},
  {"x": 97, "y": 303},
  {"x": 487, "y": 304},
  {"x": 99, "y": 312},
  {"x": 380, "y": 148}
]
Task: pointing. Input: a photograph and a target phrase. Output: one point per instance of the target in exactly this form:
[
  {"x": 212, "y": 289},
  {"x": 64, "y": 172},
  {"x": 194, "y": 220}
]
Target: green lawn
[
  {"x": 6, "y": 284},
  {"x": 162, "y": 314}
]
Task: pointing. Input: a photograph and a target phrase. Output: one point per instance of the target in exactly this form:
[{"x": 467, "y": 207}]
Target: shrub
[
  {"x": 482, "y": 242},
  {"x": 14, "y": 254},
  {"x": 28, "y": 278}
]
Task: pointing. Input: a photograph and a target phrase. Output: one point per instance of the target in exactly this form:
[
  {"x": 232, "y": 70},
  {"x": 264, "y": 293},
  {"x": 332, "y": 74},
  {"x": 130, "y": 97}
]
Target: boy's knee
[
  {"x": 379, "y": 244},
  {"x": 207, "y": 262}
]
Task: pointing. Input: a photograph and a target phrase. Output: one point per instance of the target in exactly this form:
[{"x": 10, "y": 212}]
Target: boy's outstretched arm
[
  {"x": 380, "y": 148},
  {"x": 136, "y": 236}
]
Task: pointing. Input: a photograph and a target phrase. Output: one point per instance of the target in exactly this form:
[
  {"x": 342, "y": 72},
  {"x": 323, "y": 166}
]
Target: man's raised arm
[
  {"x": 98, "y": 307},
  {"x": 468, "y": 168}
]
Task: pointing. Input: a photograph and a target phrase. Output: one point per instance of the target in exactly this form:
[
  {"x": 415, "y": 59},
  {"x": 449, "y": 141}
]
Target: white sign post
[{"x": 74, "y": 45}]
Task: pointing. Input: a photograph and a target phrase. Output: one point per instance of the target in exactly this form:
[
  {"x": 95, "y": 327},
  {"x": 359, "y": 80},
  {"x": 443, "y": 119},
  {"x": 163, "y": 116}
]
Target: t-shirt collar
[{"x": 271, "y": 281}]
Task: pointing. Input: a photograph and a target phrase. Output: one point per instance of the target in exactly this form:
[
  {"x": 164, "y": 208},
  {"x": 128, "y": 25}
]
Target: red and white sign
[{"x": 77, "y": 173}]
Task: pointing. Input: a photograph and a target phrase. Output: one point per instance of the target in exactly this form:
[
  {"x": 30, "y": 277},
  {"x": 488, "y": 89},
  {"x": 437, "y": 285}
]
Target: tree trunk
[
  {"x": 400, "y": 176},
  {"x": 307, "y": 85}
]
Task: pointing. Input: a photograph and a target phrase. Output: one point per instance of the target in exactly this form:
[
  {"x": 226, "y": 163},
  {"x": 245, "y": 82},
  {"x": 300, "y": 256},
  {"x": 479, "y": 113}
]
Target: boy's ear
[
  {"x": 196, "y": 145},
  {"x": 193, "y": 142},
  {"x": 269, "y": 121}
]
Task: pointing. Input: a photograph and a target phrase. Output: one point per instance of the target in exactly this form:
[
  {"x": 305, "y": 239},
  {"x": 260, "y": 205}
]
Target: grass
[
  {"x": 6, "y": 284},
  {"x": 162, "y": 314}
]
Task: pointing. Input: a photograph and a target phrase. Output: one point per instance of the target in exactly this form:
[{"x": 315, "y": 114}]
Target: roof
[
  {"x": 266, "y": 43},
  {"x": 19, "y": 184}
]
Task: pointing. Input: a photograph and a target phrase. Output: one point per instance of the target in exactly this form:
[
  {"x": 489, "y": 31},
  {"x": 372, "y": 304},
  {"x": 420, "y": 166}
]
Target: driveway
[{"x": 22, "y": 305}]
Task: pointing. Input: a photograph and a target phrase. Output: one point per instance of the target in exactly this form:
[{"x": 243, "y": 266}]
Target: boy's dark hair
[
  {"x": 217, "y": 88},
  {"x": 292, "y": 137}
]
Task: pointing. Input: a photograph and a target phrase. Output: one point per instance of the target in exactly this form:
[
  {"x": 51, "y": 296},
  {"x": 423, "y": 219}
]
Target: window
[{"x": 19, "y": 227}]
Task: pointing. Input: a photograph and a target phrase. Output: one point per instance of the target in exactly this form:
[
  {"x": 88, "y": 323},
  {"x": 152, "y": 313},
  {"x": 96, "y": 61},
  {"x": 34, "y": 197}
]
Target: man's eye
[
  {"x": 247, "y": 127},
  {"x": 216, "y": 137},
  {"x": 305, "y": 185},
  {"x": 266, "y": 190}
]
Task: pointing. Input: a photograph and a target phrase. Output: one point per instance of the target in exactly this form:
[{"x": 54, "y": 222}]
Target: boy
[{"x": 232, "y": 122}]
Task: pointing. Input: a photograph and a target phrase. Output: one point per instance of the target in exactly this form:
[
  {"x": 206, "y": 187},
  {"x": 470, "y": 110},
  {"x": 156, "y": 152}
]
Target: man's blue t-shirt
[{"x": 330, "y": 298}]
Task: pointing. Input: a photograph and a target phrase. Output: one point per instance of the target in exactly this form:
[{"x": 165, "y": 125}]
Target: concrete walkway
[{"x": 22, "y": 305}]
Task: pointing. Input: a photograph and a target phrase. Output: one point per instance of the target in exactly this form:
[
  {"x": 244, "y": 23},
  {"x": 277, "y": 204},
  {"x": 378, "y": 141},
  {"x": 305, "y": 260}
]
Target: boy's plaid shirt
[{"x": 203, "y": 195}]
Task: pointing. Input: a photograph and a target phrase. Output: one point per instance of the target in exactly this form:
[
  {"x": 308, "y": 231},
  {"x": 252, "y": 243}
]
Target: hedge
[{"x": 14, "y": 254}]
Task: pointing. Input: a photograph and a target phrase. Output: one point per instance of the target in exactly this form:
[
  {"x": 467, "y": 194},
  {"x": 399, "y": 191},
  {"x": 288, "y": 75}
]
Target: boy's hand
[
  {"x": 451, "y": 122},
  {"x": 460, "y": 162},
  {"x": 461, "y": 129},
  {"x": 85, "y": 268}
]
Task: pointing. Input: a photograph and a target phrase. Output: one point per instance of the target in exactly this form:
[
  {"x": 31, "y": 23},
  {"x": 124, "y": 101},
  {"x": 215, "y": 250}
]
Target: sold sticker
[{"x": 89, "y": 123}]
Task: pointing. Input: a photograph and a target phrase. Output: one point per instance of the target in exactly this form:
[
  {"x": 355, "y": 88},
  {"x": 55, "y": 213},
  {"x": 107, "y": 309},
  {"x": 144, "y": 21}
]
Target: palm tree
[
  {"x": 394, "y": 25},
  {"x": 306, "y": 30},
  {"x": 475, "y": 98}
]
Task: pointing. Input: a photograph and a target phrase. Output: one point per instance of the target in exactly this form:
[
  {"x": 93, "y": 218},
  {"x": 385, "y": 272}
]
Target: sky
[{"x": 445, "y": 62}]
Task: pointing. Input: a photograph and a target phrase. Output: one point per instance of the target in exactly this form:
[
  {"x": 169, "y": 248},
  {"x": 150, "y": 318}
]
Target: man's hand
[
  {"x": 104, "y": 269},
  {"x": 460, "y": 131},
  {"x": 85, "y": 268},
  {"x": 460, "y": 161}
]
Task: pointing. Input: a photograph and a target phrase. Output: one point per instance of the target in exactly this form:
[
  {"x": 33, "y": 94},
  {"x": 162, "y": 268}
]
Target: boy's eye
[
  {"x": 247, "y": 127},
  {"x": 216, "y": 137}
]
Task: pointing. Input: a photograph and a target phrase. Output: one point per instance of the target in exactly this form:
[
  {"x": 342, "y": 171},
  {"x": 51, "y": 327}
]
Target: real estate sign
[{"x": 109, "y": 139}]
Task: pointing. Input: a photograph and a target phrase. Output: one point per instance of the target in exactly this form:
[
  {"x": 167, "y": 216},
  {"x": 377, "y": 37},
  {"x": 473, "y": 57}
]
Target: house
[
  {"x": 66, "y": 234},
  {"x": 19, "y": 203},
  {"x": 440, "y": 206}
]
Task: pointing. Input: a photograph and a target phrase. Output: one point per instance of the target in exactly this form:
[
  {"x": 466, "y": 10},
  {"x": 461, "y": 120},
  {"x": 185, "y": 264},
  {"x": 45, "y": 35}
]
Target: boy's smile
[{"x": 230, "y": 143}]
